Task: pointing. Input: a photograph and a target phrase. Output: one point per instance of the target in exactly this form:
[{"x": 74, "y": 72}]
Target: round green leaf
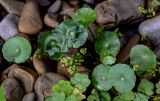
[
  {"x": 118, "y": 98},
  {"x": 56, "y": 97},
  {"x": 17, "y": 49},
  {"x": 146, "y": 87},
  {"x": 105, "y": 96},
  {"x": 107, "y": 46},
  {"x": 128, "y": 96},
  {"x": 107, "y": 41},
  {"x": 122, "y": 78},
  {"x": 71, "y": 98},
  {"x": 140, "y": 97},
  {"x": 80, "y": 81},
  {"x": 63, "y": 87},
  {"x": 143, "y": 58},
  {"x": 100, "y": 77},
  {"x": 84, "y": 16},
  {"x": 107, "y": 58}
]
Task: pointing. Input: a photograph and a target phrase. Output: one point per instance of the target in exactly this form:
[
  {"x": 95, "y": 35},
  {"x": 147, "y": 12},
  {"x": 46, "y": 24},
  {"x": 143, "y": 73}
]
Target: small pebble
[
  {"x": 90, "y": 1},
  {"x": 9, "y": 26},
  {"x": 55, "y": 6},
  {"x": 74, "y": 2},
  {"x": 125, "y": 52},
  {"x": 30, "y": 21},
  {"x": 68, "y": 11},
  {"x": 40, "y": 2},
  {"x": 12, "y": 6},
  {"x": 151, "y": 29},
  {"x": 29, "y": 97},
  {"x": 51, "y": 20},
  {"x": 65, "y": 5}
]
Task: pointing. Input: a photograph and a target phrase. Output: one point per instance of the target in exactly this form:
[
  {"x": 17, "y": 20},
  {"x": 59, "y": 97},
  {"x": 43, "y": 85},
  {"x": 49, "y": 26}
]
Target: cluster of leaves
[
  {"x": 17, "y": 49},
  {"x": 119, "y": 76},
  {"x": 72, "y": 62},
  {"x": 70, "y": 90},
  {"x": 70, "y": 33}
]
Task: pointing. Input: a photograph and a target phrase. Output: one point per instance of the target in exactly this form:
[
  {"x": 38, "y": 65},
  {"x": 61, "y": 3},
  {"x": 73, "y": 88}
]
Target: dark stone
[{"x": 111, "y": 13}]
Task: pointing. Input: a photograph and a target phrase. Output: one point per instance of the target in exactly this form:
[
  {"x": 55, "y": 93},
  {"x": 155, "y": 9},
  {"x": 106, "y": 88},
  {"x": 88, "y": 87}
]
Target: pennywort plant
[
  {"x": 70, "y": 90},
  {"x": 107, "y": 45},
  {"x": 142, "y": 59},
  {"x": 17, "y": 49},
  {"x": 71, "y": 33},
  {"x": 119, "y": 76}
]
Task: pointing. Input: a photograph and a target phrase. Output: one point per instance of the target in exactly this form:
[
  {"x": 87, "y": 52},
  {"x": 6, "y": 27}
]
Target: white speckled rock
[
  {"x": 151, "y": 28},
  {"x": 9, "y": 26},
  {"x": 12, "y": 6}
]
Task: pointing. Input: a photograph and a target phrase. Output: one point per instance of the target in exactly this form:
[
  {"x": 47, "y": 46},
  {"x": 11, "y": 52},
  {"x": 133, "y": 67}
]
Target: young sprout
[{"x": 17, "y": 49}]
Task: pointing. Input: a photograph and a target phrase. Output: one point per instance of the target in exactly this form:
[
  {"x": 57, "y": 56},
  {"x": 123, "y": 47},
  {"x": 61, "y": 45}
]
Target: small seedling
[{"x": 70, "y": 90}]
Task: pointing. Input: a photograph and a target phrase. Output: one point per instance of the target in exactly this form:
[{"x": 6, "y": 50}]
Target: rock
[
  {"x": 4, "y": 74},
  {"x": 39, "y": 63},
  {"x": 68, "y": 11},
  {"x": 26, "y": 76},
  {"x": 151, "y": 29},
  {"x": 40, "y": 2},
  {"x": 44, "y": 84},
  {"x": 51, "y": 20},
  {"x": 125, "y": 52},
  {"x": 111, "y": 13},
  {"x": 29, "y": 97},
  {"x": 12, "y": 6},
  {"x": 30, "y": 21},
  {"x": 74, "y": 2},
  {"x": 89, "y": 1},
  {"x": 13, "y": 90},
  {"x": 55, "y": 6},
  {"x": 65, "y": 5},
  {"x": 9, "y": 26}
]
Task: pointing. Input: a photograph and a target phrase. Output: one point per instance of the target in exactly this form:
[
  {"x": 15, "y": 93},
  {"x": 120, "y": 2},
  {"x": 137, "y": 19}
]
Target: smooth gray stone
[
  {"x": 151, "y": 29},
  {"x": 9, "y": 26}
]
